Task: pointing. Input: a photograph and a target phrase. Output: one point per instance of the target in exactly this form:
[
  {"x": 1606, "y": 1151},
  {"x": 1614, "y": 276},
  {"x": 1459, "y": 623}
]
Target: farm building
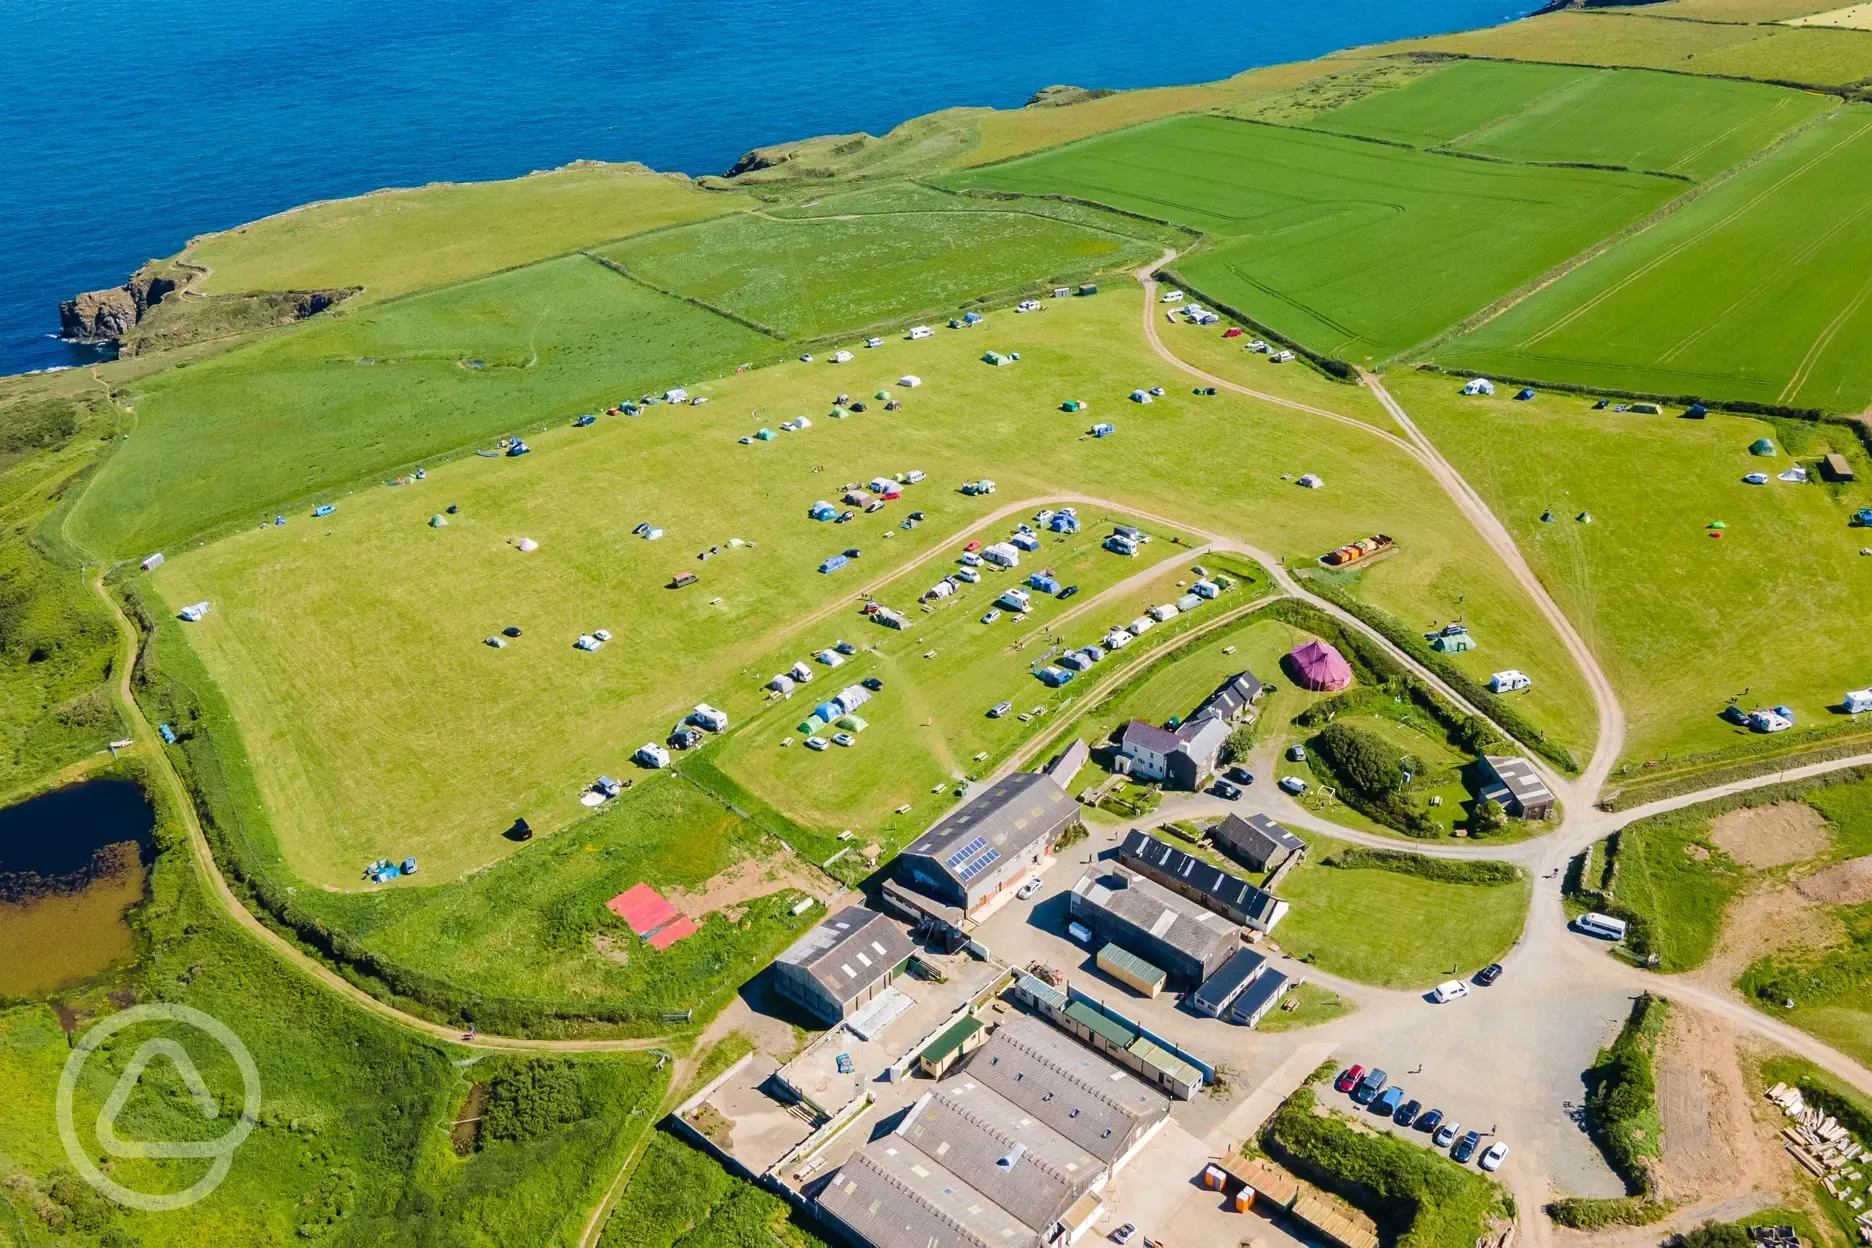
[
  {"x": 1220, "y": 989},
  {"x": 1232, "y": 699},
  {"x": 1317, "y": 665},
  {"x": 1010, "y": 1152},
  {"x": 1067, "y": 762},
  {"x": 1230, "y": 896},
  {"x": 952, "y": 1046},
  {"x": 1833, "y": 467},
  {"x": 991, "y": 843},
  {"x": 1130, "y": 970},
  {"x": 1134, "y": 912},
  {"x": 1257, "y": 842},
  {"x": 1516, "y": 786},
  {"x": 1180, "y": 759},
  {"x": 1254, "y": 1001},
  {"x": 1479, "y": 385},
  {"x": 842, "y": 963}
]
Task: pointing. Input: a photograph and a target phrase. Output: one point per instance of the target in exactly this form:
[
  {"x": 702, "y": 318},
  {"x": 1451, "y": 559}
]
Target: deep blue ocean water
[{"x": 125, "y": 129}]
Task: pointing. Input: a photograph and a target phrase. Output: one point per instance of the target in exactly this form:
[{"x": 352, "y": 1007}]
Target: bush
[
  {"x": 529, "y": 1101},
  {"x": 1370, "y": 773},
  {"x": 1712, "y": 1235},
  {"x": 1443, "y": 870},
  {"x": 1240, "y": 743}
]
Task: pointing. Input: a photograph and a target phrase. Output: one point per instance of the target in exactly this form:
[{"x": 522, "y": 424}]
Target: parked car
[
  {"x": 992, "y": 616},
  {"x": 1028, "y": 889},
  {"x": 853, "y": 552},
  {"x": 1497, "y": 1153},
  {"x": 971, "y": 548},
  {"x": 1446, "y": 1134},
  {"x": 1430, "y": 1121},
  {"x": 1296, "y": 752},
  {"x": 1407, "y": 1112},
  {"x": 1349, "y": 1078},
  {"x": 999, "y": 709},
  {"x": 872, "y": 683},
  {"x": 817, "y": 743},
  {"x": 1123, "y": 1234},
  {"x": 1465, "y": 1147},
  {"x": 1293, "y": 784},
  {"x": 1066, "y": 593},
  {"x": 1450, "y": 990},
  {"x": 1224, "y": 789},
  {"x": 1388, "y": 1101},
  {"x": 1240, "y": 775},
  {"x": 1369, "y": 1086},
  {"x": 843, "y": 738},
  {"x": 1488, "y": 974}
]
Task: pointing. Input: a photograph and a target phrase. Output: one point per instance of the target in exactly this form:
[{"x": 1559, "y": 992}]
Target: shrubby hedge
[{"x": 1443, "y": 870}]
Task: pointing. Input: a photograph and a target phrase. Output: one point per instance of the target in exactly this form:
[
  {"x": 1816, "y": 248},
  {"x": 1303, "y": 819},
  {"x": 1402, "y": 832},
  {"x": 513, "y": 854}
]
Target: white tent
[
  {"x": 909, "y": 381},
  {"x": 527, "y": 543}
]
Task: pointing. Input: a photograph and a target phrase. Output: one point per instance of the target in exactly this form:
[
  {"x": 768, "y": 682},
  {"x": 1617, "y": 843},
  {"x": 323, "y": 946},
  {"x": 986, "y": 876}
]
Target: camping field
[
  {"x": 1681, "y": 620},
  {"x": 351, "y": 648},
  {"x": 1758, "y": 290},
  {"x": 1669, "y": 123},
  {"x": 880, "y": 257},
  {"x": 1357, "y": 249},
  {"x": 317, "y": 408}
]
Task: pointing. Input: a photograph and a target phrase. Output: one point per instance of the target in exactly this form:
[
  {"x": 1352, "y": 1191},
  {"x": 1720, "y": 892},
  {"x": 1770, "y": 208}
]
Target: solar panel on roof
[
  {"x": 975, "y": 868},
  {"x": 965, "y": 851}
]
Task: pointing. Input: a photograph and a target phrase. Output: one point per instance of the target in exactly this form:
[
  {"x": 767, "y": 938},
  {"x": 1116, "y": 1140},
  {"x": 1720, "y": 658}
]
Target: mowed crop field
[
  {"x": 1759, "y": 290},
  {"x": 319, "y": 407},
  {"x": 1681, "y": 620},
  {"x": 874, "y": 257},
  {"x": 1670, "y": 123},
  {"x": 351, "y": 647},
  {"x": 1358, "y": 249}
]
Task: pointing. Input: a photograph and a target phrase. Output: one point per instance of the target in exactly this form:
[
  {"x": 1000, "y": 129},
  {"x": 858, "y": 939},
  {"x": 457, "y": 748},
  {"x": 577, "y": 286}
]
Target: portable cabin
[
  {"x": 152, "y": 563},
  {"x": 1089, "y": 288}
]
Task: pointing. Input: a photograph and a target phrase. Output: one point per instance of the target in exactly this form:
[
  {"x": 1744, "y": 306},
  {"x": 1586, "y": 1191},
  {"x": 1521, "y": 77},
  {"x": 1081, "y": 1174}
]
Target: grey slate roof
[
  {"x": 1217, "y": 990},
  {"x": 1521, "y": 778},
  {"x": 893, "y": 1195},
  {"x": 1257, "y": 838},
  {"x": 1261, "y": 990},
  {"x": 849, "y": 950},
  {"x": 1087, "y": 1098},
  {"x": 1155, "y": 857},
  {"x": 1016, "y": 811},
  {"x": 1140, "y": 901},
  {"x": 1149, "y": 737},
  {"x": 1023, "y": 1165},
  {"x": 1232, "y": 696}
]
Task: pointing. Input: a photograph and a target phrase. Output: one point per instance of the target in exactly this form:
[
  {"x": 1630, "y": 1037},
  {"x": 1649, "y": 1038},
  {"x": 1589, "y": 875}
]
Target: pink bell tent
[{"x": 1317, "y": 665}]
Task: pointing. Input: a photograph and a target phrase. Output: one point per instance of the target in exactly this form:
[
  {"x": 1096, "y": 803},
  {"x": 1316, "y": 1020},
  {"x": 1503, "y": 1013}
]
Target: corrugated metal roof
[
  {"x": 1131, "y": 962},
  {"x": 1086, "y": 1097},
  {"x": 1111, "y": 1031},
  {"x": 1153, "y": 1054},
  {"x": 1167, "y": 862},
  {"x": 849, "y": 950},
  {"x": 1040, "y": 990}
]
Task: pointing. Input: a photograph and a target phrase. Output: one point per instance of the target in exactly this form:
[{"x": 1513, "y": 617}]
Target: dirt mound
[
  {"x": 743, "y": 882},
  {"x": 1771, "y": 836},
  {"x": 1844, "y": 884},
  {"x": 1711, "y": 1148}
]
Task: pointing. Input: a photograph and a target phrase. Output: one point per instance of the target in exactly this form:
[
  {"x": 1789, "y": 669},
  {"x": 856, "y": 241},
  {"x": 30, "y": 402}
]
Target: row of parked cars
[{"x": 1369, "y": 1087}]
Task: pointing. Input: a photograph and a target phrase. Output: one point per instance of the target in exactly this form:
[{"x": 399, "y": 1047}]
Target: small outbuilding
[{"x": 1834, "y": 468}]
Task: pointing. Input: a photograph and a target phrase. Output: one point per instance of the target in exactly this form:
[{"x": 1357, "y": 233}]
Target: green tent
[
  {"x": 1457, "y": 644},
  {"x": 1761, "y": 446},
  {"x": 883, "y": 396},
  {"x": 812, "y": 725},
  {"x": 852, "y": 723},
  {"x": 438, "y": 521},
  {"x": 1717, "y": 524},
  {"x": 995, "y": 358}
]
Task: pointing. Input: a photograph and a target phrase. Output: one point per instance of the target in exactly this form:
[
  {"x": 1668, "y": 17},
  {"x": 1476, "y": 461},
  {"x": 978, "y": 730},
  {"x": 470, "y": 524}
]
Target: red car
[
  {"x": 972, "y": 546},
  {"x": 1349, "y": 1079}
]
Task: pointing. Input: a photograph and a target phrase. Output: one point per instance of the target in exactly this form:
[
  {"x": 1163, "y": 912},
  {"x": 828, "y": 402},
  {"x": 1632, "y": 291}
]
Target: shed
[
  {"x": 949, "y": 1048},
  {"x": 1834, "y": 468},
  {"x": 1131, "y": 971}
]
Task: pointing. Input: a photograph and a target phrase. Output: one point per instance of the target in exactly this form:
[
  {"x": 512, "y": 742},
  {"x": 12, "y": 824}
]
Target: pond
[{"x": 72, "y": 862}]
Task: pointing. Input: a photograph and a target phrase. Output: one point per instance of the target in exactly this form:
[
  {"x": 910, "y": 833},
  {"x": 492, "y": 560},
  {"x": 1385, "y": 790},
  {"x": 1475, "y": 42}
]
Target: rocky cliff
[{"x": 105, "y": 316}]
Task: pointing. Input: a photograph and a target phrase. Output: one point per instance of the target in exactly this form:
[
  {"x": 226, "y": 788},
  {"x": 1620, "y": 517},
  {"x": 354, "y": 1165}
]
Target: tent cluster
[
  {"x": 384, "y": 870},
  {"x": 1069, "y": 663}
]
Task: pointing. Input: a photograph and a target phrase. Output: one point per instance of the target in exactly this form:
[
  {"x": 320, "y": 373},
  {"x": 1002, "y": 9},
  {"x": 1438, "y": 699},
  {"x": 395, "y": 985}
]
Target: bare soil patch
[
  {"x": 611, "y": 947},
  {"x": 743, "y": 882},
  {"x": 1769, "y": 918},
  {"x": 1771, "y": 836},
  {"x": 1846, "y": 884},
  {"x": 1711, "y": 1148}
]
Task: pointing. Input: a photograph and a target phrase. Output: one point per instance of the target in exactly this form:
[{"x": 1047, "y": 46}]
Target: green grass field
[
  {"x": 322, "y": 406},
  {"x": 1668, "y": 123},
  {"x": 1755, "y": 291},
  {"x": 352, "y": 1145},
  {"x": 1356, "y": 249},
  {"x": 354, "y": 665},
  {"x": 879, "y": 257},
  {"x": 395, "y": 242},
  {"x": 1347, "y": 921},
  {"x": 1681, "y": 621}
]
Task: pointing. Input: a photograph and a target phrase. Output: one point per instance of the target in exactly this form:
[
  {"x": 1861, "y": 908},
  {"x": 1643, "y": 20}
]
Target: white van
[{"x": 1595, "y": 924}]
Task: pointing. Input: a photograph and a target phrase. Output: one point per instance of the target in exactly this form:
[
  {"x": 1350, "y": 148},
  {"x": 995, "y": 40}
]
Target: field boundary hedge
[
  {"x": 1691, "y": 781},
  {"x": 1333, "y": 367},
  {"x": 1622, "y": 1118},
  {"x": 1486, "y": 872}
]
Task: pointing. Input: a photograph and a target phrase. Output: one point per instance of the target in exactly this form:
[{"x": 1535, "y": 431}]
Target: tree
[
  {"x": 1490, "y": 819},
  {"x": 1240, "y": 744}
]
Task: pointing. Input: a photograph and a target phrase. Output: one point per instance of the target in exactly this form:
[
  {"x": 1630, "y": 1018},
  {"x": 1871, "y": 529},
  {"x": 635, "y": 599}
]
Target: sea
[{"x": 127, "y": 129}]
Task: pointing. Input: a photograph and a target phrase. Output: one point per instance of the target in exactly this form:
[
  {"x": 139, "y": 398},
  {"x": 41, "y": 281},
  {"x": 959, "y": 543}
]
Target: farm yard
[
  {"x": 1356, "y": 249},
  {"x": 1756, "y": 291},
  {"x": 351, "y": 646},
  {"x": 1683, "y": 621},
  {"x": 1648, "y": 122}
]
